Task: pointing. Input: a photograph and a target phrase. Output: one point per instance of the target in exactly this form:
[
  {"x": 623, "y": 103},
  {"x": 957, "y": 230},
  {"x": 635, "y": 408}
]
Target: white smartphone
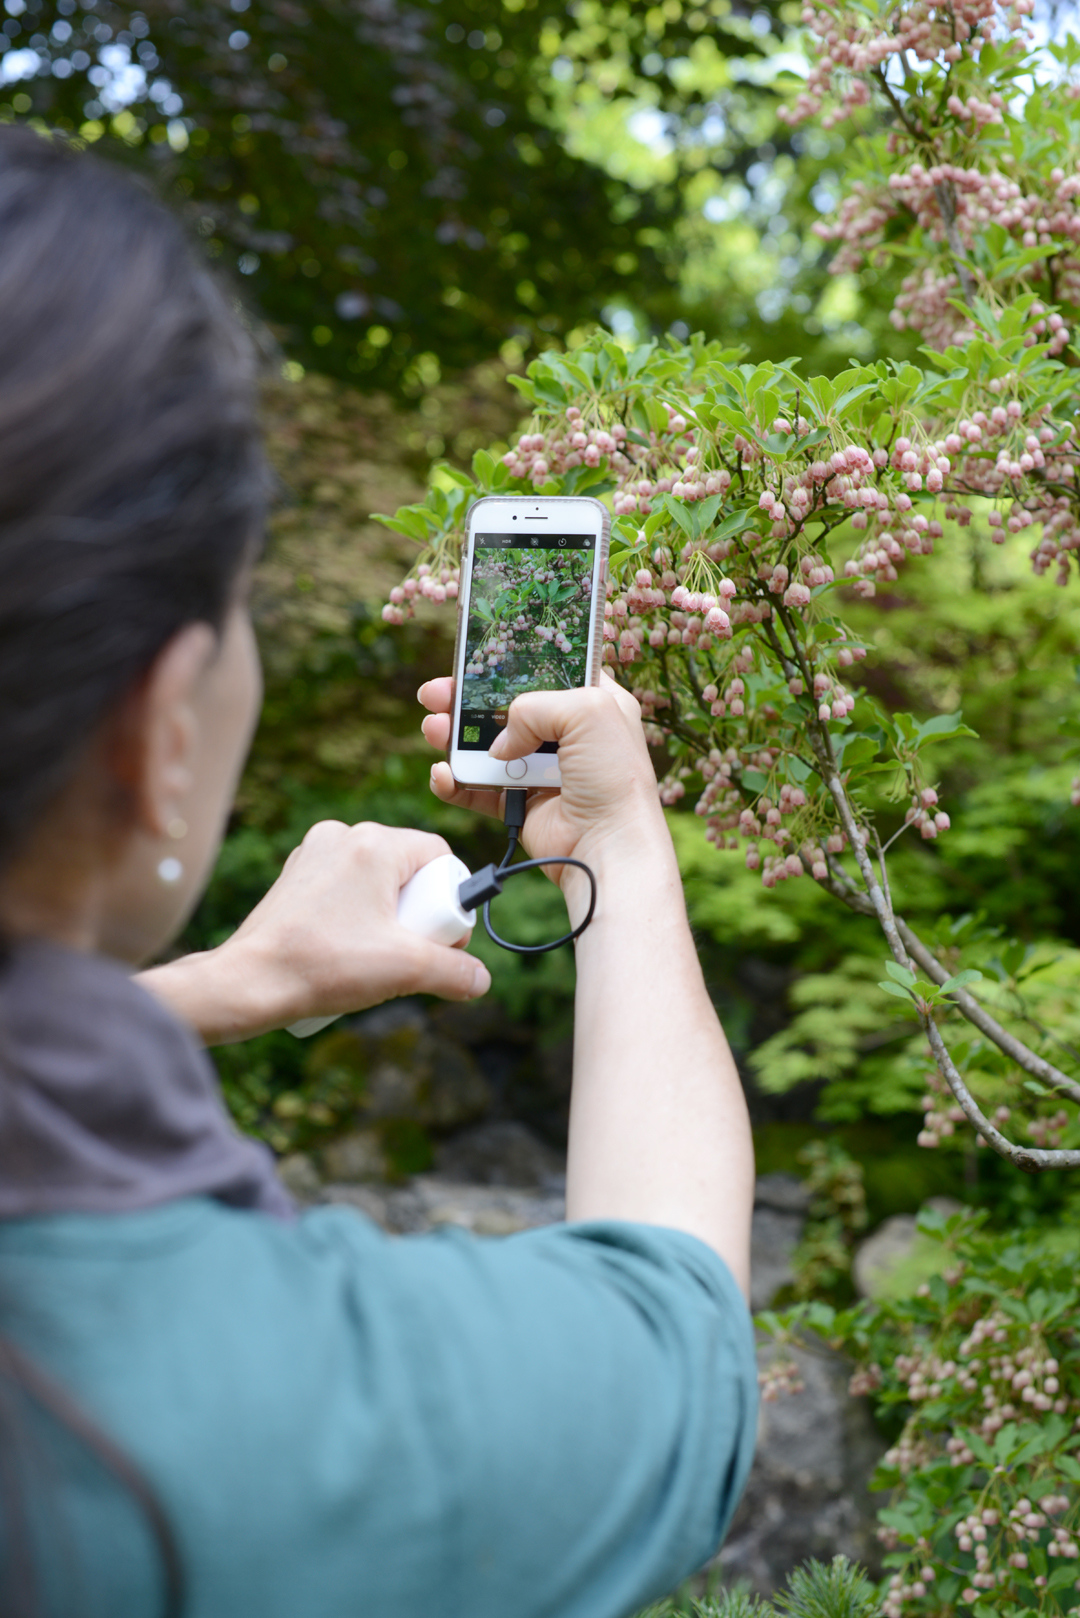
[{"x": 530, "y": 618}]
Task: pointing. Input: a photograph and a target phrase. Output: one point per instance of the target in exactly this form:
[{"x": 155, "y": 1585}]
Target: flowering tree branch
[{"x": 750, "y": 502}]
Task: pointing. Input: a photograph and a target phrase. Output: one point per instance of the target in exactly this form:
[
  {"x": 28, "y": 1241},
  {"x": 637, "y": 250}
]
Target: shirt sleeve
[{"x": 577, "y": 1408}]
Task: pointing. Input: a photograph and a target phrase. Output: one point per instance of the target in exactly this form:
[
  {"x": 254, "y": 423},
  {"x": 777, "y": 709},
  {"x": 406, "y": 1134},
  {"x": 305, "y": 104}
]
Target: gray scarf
[{"x": 108, "y": 1103}]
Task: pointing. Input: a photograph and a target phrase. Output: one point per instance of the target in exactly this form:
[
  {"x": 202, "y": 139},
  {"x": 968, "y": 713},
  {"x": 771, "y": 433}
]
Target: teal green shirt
[{"x": 342, "y": 1424}]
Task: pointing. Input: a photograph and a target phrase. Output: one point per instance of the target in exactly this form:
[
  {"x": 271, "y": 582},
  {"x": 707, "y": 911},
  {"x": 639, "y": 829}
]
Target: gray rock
[
  {"x": 356, "y": 1156},
  {"x": 807, "y": 1494},
  {"x": 500, "y": 1153},
  {"x": 780, "y": 1203},
  {"x": 877, "y": 1257},
  {"x": 773, "y": 1240},
  {"x": 891, "y": 1245},
  {"x": 429, "y": 1201},
  {"x": 401, "y": 1066},
  {"x": 784, "y": 1192},
  {"x": 300, "y": 1176}
]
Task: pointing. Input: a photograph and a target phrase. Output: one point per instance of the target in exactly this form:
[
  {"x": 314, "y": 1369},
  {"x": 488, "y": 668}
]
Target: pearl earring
[{"x": 170, "y": 871}]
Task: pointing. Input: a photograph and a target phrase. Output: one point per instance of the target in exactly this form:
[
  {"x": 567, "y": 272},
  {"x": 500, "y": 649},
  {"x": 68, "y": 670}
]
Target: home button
[{"x": 517, "y": 769}]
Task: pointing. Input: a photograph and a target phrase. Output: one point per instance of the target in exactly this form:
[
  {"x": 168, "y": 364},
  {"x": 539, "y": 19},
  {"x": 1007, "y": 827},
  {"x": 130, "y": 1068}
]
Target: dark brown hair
[
  {"x": 131, "y": 475},
  {"x": 132, "y": 489}
]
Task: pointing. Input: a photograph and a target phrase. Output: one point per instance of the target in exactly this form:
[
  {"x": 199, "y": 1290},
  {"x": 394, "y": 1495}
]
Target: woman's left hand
[{"x": 325, "y": 940}]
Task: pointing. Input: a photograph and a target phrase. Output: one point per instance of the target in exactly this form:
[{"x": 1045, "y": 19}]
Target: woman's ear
[{"x": 154, "y": 740}]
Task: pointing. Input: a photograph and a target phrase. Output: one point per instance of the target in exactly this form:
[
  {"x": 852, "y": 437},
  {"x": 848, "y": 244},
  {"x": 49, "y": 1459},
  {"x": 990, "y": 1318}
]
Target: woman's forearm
[{"x": 659, "y": 1130}]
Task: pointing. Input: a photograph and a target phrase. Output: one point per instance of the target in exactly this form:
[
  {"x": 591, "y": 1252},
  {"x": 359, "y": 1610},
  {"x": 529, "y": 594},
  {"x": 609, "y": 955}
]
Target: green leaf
[
  {"x": 706, "y": 511},
  {"x": 455, "y": 474},
  {"x": 656, "y": 413},
  {"x": 843, "y": 405},
  {"x": 551, "y": 392},
  {"x": 895, "y": 989},
  {"x": 681, "y": 514},
  {"x": 900, "y": 974},
  {"x": 779, "y": 445},
  {"x": 483, "y": 465},
  {"x": 754, "y": 781},
  {"x": 945, "y": 724},
  {"x": 733, "y": 525},
  {"x": 524, "y": 386},
  {"x": 859, "y": 750},
  {"x": 415, "y": 522},
  {"x": 959, "y": 980}
]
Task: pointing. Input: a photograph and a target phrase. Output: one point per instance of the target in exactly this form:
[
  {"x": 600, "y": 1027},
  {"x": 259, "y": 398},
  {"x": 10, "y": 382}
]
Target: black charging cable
[{"x": 487, "y": 884}]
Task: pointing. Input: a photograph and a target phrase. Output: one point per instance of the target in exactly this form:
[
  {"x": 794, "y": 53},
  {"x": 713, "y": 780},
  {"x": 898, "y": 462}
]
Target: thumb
[
  {"x": 449, "y": 972},
  {"x": 538, "y": 716}
]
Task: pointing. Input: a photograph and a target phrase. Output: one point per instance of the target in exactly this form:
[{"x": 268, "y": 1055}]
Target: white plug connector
[{"x": 428, "y": 904}]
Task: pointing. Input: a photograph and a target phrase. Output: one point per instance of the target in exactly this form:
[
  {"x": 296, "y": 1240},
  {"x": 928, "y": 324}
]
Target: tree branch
[
  {"x": 823, "y": 752},
  {"x": 908, "y": 949},
  {"x": 839, "y": 885},
  {"x": 981, "y": 1019},
  {"x": 946, "y": 196},
  {"x": 946, "y": 200},
  {"x": 1032, "y": 1158}
]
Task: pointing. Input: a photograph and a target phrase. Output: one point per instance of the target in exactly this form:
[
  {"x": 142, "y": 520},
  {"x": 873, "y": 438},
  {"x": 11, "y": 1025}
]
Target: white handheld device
[
  {"x": 428, "y": 904},
  {"x": 530, "y": 618}
]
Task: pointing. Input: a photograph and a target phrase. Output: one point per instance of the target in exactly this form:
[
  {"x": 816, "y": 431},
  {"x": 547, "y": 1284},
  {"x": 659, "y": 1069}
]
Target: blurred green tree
[
  {"x": 386, "y": 175},
  {"x": 404, "y": 189}
]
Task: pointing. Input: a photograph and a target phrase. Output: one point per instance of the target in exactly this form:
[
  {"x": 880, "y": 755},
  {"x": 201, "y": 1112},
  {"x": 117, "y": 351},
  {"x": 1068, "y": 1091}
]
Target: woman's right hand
[
  {"x": 608, "y": 803},
  {"x": 658, "y": 1125}
]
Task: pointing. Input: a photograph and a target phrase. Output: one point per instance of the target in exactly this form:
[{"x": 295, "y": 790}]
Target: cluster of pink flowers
[
  {"x": 797, "y": 847},
  {"x": 1048, "y": 1131},
  {"x": 941, "y": 1114},
  {"x": 439, "y": 584},
  {"x": 924, "y": 814},
  {"x": 779, "y": 1377},
  {"x": 954, "y": 198},
  {"x": 663, "y": 463},
  {"x": 1025, "y": 476},
  {"x": 926, "y": 302},
  {"x": 851, "y": 46}
]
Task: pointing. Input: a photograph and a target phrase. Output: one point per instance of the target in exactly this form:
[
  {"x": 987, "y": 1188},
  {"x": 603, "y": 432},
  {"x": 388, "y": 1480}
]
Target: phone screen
[{"x": 530, "y": 606}]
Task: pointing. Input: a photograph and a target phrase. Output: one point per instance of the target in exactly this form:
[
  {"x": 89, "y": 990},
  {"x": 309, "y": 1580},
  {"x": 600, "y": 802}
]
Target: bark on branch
[
  {"x": 909, "y": 950},
  {"x": 1038, "y": 1067}
]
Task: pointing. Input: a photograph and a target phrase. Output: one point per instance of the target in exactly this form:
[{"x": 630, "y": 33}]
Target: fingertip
[
  {"x": 438, "y": 783},
  {"x": 481, "y": 982}
]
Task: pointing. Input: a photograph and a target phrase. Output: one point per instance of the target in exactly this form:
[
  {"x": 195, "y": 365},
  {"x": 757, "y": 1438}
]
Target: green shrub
[
  {"x": 837, "y": 1589},
  {"x": 976, "y": 1379}
]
